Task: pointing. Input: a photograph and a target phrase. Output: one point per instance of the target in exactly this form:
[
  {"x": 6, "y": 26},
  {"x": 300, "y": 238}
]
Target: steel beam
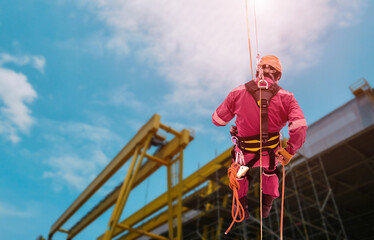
[
  {"x": 170, "y": 201},
  {"x": 180, "y": 193},
  {"x": 143, "y": 232},
  {"x": 147, "y": 169},
  {"x": 152, "y": 224},
  {"x": 159, "y": 219},
  {"x": 151, "y": 126},
  {"x": 191, "y": 182},
  {"x": 125, "y": 190}
]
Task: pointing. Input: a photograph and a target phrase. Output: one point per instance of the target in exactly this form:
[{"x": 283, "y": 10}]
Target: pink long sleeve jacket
[{"x": 283, "y": 108}]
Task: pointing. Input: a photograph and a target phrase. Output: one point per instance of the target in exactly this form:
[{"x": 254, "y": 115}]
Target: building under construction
[{"x": 328, "y": 195}]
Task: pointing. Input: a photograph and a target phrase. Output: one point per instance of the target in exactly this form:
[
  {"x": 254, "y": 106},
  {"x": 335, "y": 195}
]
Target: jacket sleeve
[
  {"x": 224, "y": 113},
  {"x": 297, "y": 126}
]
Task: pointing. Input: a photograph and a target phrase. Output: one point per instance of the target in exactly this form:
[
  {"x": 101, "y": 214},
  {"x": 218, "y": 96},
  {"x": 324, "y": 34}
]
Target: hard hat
[{"x": 272, "y": 61}]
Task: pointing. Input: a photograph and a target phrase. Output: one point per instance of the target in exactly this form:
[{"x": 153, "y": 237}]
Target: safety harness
[
  {"x": 256, "y": 144},
  {"x": 270, "y": 141}
]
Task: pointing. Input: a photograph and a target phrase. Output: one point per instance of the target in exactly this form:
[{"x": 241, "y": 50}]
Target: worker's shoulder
[
  {"x": 285, "y": 92},
  {"x": 239, "y": 88}
]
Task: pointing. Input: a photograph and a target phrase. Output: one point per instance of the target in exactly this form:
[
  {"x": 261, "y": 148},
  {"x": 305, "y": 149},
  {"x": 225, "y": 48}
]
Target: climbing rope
[
  {"x": 283, "y": 182},
  {"x": 261, "y": 164},
  {"x": 254, "y": 8},
  {"x": 281, "y": 222},
  {"x": 283, "y": 186},
  {"x": 250, "y": 57},
  {"x": 249, "y": 38},
  {"x": 234, "y": 185}
]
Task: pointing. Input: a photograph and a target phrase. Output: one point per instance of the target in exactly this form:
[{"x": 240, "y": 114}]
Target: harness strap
[
  {"x": 275, "y": 171},
  {"x": 264, "y": 101},
  {"x": 272, "y": 159},
  {"x": 264, "y": 118},
  {"x": 254, "y": 160},
  {"x": 257, "y": 157},
  {"x": 252, "y": 144}
]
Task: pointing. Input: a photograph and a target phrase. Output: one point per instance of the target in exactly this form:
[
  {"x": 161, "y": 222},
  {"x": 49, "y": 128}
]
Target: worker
[{"x": 278, "y": 107}]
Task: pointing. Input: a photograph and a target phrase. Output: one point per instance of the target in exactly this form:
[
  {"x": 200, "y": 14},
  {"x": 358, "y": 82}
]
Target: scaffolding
[
  {"x": 322, "y": 202},
  {"x": 328, "y": 195},
  {"x": 319, "y": 202},
  {"x": 329, "y": 187}
]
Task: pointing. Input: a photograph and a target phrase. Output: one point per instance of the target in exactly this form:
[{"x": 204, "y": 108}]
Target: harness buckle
[
  {"x": 263, "y": 87},
  {"x": 264, "y": 103}
]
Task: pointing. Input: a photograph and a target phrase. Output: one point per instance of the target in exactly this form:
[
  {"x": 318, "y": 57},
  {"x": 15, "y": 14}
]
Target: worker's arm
[
  {"x": 296, "y": 126},
  {"x": 224, "y": 113}
]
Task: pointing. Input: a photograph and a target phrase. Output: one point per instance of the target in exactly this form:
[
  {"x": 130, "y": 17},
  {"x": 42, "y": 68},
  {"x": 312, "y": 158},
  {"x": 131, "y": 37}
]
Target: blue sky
[{"x": 78, "y": 79}]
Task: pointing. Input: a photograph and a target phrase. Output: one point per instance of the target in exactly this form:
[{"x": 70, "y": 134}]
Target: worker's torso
[{"x": 248, "y": 113}]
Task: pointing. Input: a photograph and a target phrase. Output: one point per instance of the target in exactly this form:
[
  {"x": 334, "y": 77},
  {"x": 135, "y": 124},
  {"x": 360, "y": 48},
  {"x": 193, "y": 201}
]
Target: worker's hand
[{"x": 283, "y": 156}]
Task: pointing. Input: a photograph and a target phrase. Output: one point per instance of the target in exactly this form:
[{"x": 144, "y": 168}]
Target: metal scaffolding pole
[
  {"x": 300, "y": 208},
  {"x": 293, "y": 223},
  {"x": 170, "y": 203},
  {"x": 218, "y": 231},
  {"x": 317, "y": 200},
  {"x": 270, "y": 224},
  {"x": 332, "y": 197}
]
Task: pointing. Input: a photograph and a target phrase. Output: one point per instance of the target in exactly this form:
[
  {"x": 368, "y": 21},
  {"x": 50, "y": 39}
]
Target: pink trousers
[
  {"x": 270, "y": 185},
  {"x": 270, "y": 182}
]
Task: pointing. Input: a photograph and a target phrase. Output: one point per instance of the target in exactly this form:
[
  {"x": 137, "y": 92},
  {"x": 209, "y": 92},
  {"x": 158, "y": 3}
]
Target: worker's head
[{"x": 271, "y": 67}]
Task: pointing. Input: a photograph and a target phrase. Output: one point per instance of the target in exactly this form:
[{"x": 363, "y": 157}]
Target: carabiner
[
  {"x": 235, "y": 140},
  {"x": 262, "y": 87}
]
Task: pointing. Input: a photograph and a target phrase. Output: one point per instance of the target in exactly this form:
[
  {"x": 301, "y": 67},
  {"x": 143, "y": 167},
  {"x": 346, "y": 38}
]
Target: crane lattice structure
[{"x": 169, "y": 154}]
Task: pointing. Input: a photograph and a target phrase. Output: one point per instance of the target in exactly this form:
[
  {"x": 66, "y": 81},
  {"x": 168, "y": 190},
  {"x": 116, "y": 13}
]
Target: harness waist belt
[{"x": 252, "y": 144}]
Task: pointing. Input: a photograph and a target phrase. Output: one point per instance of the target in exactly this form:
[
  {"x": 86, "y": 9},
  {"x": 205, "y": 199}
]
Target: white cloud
[
  {"x": 8, "y": 210},
  {"x": 7, "y": 129},
  {"x": 88, "y": 132},
  {"x": 78, "y": 152},
  {"x": 38, "y": 62},
  {"x": 73, "y": 171},
  {"x": 201, "y": 46},
  {"x": 15, "y": 94}
]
